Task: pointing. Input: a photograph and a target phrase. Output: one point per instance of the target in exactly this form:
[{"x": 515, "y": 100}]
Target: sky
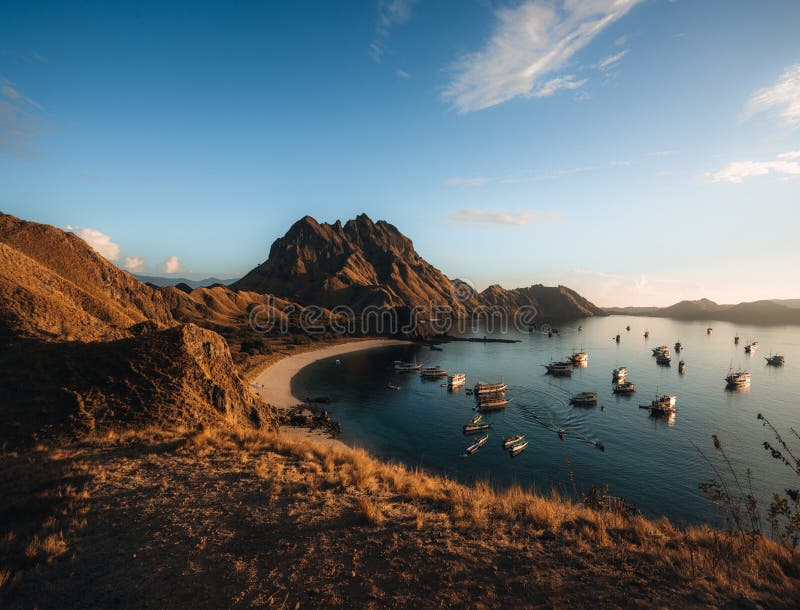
[{"x": 639, "y": 151}]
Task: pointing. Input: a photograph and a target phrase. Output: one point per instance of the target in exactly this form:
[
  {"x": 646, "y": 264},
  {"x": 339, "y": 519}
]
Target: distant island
[
  {"x": 162, "y": 281},
  {"x": 772, "y": 311}
]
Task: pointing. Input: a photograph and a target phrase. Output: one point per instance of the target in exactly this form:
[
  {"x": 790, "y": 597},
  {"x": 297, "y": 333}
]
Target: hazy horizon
[{"x": 641, "y": 153}]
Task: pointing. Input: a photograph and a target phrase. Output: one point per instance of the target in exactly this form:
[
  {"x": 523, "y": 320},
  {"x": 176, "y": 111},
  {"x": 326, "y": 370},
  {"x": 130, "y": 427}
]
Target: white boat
[
  {"x": 579, "y": 358},
  {"x": 512, "y": 440},
  {"x": 737, "y": 379},
  {"x": 406, "y": 367},
  {"x": 477, "y": 444},
  {"x": 393, "y": 386},
  {"x": 433, "y": 372},
  {"x": 474, "y": 427},
  {"x": 664, "y": 404},
  {"x": 518, "y": 448},
  {"x": 456, "y": 380},
  {"x": 491, "y": 403}
]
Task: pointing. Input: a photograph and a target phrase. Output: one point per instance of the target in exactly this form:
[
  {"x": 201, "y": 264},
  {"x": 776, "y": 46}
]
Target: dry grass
[{"x": 266, "y": 517}]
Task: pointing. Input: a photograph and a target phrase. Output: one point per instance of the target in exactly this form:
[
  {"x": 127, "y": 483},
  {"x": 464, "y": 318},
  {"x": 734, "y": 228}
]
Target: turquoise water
[{"x": 649, "y": 461}]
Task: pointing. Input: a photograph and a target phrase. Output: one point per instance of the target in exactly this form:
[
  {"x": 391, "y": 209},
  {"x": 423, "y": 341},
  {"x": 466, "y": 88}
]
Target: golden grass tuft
[
  {"x": 369, "y": 511},
  {"x": 46, "y": 549}
]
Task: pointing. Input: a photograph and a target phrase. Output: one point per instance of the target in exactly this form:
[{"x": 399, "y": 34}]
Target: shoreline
[{"x": 274, "y": 383}]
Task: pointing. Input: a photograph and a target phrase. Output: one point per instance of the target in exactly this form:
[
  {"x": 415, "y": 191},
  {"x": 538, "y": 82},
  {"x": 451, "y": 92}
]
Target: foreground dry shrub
[
  {"x": 48, "y": 548},
  {"x": 369, "y": 511}
]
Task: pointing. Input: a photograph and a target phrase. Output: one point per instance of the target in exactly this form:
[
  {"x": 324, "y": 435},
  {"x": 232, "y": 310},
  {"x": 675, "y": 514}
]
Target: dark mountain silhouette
[
  {"x": 162, "y": 281},
  {"x": 756, "y": 312}
]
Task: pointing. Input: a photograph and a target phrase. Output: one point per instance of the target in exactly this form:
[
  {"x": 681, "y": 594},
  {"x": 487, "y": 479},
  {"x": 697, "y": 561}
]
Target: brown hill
[
  {"x": 363, "y": 263},
  {"x": 360, "y": 263},
  {"x": 55, "y": 287}
]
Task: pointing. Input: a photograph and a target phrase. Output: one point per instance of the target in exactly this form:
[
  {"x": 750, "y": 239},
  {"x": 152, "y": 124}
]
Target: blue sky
[{"x": 639, "y": 151}]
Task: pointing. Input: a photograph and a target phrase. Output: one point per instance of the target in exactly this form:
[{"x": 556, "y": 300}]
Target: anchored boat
[
  {"x": 475, "y": 427},
  {"x": 406, "y": 367},
  {"x": 517, "y": 448},
  {"x": 433, "y": 372},
  {"x": 512, "y": 440},
  {"x": 584, "y": 399},
  {"x": 775, "y": 360},
  {"x": 682, "y": 367},
  {"x": 477, "y": 444},
  {"x": 579, "y": 358},
  {"x": 664, "y": 359},
  {"x": 456, "y": 380},
  {"x": 559, "y": 368},
  {"x": 737, "y": 379},
  {"x": 678, "y": 347},
  {"x": 482, "y": 388},
  {"x": 626, "y": 388},
  {"x": 492, "y": 403},
  {"x": 661, "y": 349},
  {"x": 661, "y": 405},
  {"x": 619, "y": 373},
  {"x": 751, "y": 347}
]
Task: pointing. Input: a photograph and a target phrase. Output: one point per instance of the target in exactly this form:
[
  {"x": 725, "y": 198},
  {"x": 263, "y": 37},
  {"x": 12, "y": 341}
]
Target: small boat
[
  {"x": 559, "y": 368},
  {"x": 678, "y": 347},
  {"x": 456, "y": 380},
  {"x": 561, "y": 433},
  {"x": 775, "y": 360},
  {"x": 584, "y": 399},
  {"x": 663, "y": 359},
  {"x": 737, "y": 379},
  {"x": 661, "y": 349},
  {"x": 492, "y": 403},
  {"x": 628, "y": 327},
  {"x": 433, "y": 372},
  {"x": 709, "y": 330},
  {"x": 616, "y": 338},
  {"x": 406, "y": 367},
  {"x": 476, "y": 419},
  {"x": 646, "y": 334},
  {"x": 580, "y": 328},
  {"x": 751, "y": 347},
  {"x": 579, "y": 358},
  {"x": 518, "y": 448},
  {"x": 662, "y": 405},
  {"x": 392, "y": 386},
  {"x": 625, "y": 388},
  {"x": 600, "y": 445},
  {"x": 682, "y": 367},
  {"x": 619, "y": 373},
  {"x": 477, "y": 444},
  {"x": 483, "y": 388},
  {"x": 512, "y": 440},
  {"x": 736, "y": 340},
  {"x": 436, "y": 348},
  {"x": 473, "y": 428}
]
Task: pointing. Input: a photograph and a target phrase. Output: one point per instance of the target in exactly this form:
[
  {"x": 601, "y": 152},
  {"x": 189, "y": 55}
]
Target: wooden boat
[
  {"x": 561, "y": 433},
  {"x": 579, "y": 358},
  {"x": 483, "y": 388},
  {"x": 709, "y": 330},
  {"x": 559, "y": 368},
  {"x": 616, "y": 338},
  {"x": 737, "y": 379},
  {"x": 406, "y": 367},
  {"x": 517, "y": 448},
  {"x": 751, "y": 347},
  {"x": 512, "y": 440},
  {"x": 662, "y": 405},
  {"x": 580, "y": 328},
  {"x": 476, "y": 419},
  {"x": 619, "y": 373},
  {"x": 678, "y": 347},
  {"x": 584, "y": 399},
  {"x": 473, "y": 428},
  {"x": 628, "y": 327},
  {"x": 491, "y": 403},
  {"x": 456, "y": 380},
  {"x": 626, "y": 387},
  {"x": 682, "y": 367},
  {"x": 392, "y": 386},
  {"x": 433, "y": 372},
  {"x": 663, "y": 359},
  {"x": 775, "y": 360},
  {"x": 646, "y": 334},
  {"x": 661, "y": 349},
  {"x": 736, "y": 340},
  {"x": 477, "y": 444}
]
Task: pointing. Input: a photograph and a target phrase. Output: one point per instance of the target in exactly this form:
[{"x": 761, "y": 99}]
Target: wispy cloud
[
  {"x": 172, "y": 265},
  {"x": 611, "y": 61},
  {"x": 20, "y": 120},
  {"x": 737, "y": 171},
  {"x": 402, "y": 73},
  {"x": 390, "y": 14},
  {"x": 99, "y": 241},
  {"x": 502, "y": 217},
  {"x": 661, "y": 153},
  {"x": 474, "y": 181},
  {"x": 784, "y": 95},
  {"x": 529, "y": 48}
]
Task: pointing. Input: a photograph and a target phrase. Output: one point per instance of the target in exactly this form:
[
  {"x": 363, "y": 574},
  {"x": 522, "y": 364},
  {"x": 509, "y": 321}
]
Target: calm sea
[{"x": 650, "y": 461}]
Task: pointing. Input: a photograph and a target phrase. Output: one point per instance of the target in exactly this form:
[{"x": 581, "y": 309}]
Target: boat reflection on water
[
  {"x": 581, "y": 365},
  {"x": 667, "y": 418},
  {"x": 737, "y": 389}
]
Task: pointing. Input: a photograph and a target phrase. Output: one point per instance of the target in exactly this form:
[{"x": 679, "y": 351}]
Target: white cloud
[
  {"x": 19, "y": 120},
  {"x": 792, "y": 154},
  {"x": 134, "y": 264},
  {"x": 530, "y": 43},
  {"x": 739, "y": 170},
  {"x": 402, "y": 73},
  {"x": 172, "y": 265},
  {"x": 661, "y": 153},
  {"x": 99, "y": 241},
  {"x": 515, "y": 217},
  {"x": 14, "y": 95},
  {"x": 621, "y": 163},
  {"x": 611, "y": 61},
  {"x": 476, "y": 181},
  {"x": 390, "y": 14},
  {"x": 784, "y": 94}
]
